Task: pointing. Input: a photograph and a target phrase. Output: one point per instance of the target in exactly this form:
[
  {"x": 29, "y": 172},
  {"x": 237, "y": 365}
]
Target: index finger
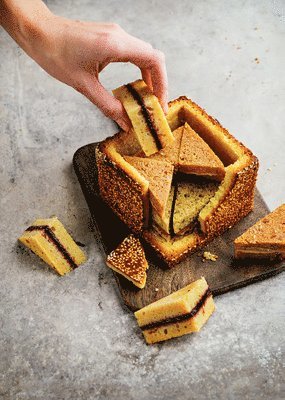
[{"x": 145, "y": 57}]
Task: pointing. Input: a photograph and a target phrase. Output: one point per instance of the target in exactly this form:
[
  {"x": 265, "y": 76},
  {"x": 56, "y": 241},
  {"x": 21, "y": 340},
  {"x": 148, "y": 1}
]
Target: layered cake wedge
[
  {"x": 196, "y": 156},
  {"x": 159, "y": 174},
  {"x": 265, "y": 239},
  {"x": 49, "y": 240},
  {"x": 147, "y": 117},
  {"x": 128, "y": 260},
  {"x": 184, "y": 311}
]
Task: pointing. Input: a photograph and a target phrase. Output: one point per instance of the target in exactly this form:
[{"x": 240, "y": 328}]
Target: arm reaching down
[{"x": 75, "y": 52}]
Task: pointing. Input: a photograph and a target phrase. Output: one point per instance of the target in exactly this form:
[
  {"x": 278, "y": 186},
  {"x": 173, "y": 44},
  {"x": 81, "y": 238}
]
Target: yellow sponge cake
[{"x": 49, "y": 240}]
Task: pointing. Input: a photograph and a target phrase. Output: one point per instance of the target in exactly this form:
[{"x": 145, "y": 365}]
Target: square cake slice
[
  {"x": 184, "y": 311},
  {"x": 265, "y": 239},
  {"x": 49, "y": 240},
  {"x": 144, "y": 110},
  {"x": 128, "y": 260},
  {"x": 196, "y": 156}
]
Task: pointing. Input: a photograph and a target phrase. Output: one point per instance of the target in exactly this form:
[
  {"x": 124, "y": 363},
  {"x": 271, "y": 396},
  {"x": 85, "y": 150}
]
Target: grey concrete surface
[{"x": 70, "y": 338}]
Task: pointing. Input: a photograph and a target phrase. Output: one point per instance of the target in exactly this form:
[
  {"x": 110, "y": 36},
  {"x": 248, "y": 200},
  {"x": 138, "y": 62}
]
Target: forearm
[{"x": 24, "y": 21}]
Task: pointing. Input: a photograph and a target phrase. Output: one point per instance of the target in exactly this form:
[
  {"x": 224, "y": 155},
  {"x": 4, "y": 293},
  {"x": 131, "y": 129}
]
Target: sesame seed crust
[
  {"x": 126, "y": 196},
  {"x": 129, "y": 260}
]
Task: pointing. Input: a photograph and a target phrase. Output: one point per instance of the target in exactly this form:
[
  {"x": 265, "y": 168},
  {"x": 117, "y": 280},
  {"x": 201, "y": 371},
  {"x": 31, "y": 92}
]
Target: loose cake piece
[
  {"x": 265, "y": 239},
  {"x": 144, "y": 110},
  {"x": 197, "y": 158},
  {"x": 159, "y": 174},
  {"x": 170, "y": 152},
  {"x": 163, "y": 223},
  {"x": 182, "y": 312},
  {"x": 129, "y": 260},
  {"x": 49, "y": 240}
]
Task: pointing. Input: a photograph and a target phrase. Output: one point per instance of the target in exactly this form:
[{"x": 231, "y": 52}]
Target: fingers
[
  {"x": 150, "y": 61},
  {"x": 108, "y": 104},
  {"x": 146, "y": 75}
]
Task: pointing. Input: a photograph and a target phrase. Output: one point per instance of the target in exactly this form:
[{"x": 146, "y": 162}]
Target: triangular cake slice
[
  {"x": 190, "y": 199},
  {"x": 159, "y": 174},
  {"x": 162, "y": 224},
  {"x": 184, "y": 311},
  {"x": 196, "y": 157},
  {"x": 144, "y": 110},
  {"x": 265, "y": 239},
  {"x": 170, "y": 152},
  {"x": 128, "y": 260}
]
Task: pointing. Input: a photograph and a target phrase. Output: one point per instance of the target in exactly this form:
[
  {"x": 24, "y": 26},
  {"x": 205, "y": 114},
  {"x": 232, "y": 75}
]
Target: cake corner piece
[{"x": 129, "y": 260}]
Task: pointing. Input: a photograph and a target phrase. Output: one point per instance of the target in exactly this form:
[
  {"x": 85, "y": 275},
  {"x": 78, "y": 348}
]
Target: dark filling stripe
[
  {"x": 179, "y": 318},
  {"x": 146, "y": 114},
  {"x": 52, "y": 238},
  {"x": 171, "y": 222}
]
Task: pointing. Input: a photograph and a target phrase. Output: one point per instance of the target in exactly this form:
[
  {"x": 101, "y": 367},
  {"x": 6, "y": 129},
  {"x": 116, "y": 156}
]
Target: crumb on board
[
  {"x": 210, "y": 256},
  {"x": 156, "y": 289}
]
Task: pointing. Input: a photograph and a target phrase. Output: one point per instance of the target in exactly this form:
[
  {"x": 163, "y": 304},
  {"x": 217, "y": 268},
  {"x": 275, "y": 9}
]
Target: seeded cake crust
[{"x": 127, "y": 193}]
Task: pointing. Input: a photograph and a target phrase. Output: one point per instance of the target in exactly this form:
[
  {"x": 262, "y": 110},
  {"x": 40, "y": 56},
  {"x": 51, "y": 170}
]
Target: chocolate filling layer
[
  {"x": 146, "y": 114},
  {"x": 179, "y": 318},
  {"x": 171, "y": 223},
  {"x": 52, "y": 238}
]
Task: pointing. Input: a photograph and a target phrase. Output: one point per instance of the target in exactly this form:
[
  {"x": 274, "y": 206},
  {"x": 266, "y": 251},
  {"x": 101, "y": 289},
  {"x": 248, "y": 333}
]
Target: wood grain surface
[{"x": 223, "y": 275}]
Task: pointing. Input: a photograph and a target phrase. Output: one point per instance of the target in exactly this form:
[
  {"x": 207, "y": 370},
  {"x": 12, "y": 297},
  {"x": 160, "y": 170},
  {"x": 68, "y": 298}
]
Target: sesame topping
[{"x": 129, "y": 259}]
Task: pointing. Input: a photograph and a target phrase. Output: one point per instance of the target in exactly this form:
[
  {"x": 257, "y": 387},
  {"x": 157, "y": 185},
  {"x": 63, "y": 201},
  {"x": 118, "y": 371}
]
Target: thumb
[{"x": 108, "y": 104}]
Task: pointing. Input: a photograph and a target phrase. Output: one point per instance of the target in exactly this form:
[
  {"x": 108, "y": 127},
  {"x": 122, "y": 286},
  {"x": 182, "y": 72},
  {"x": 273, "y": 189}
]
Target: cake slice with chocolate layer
[
  {"x": 159, "y": 174},
  {"x": 265, "y": 239},
  {"x": 147, "y": 117},
  {"x": 196, "y": 156},
  {"x": 170, "y": 152},
  {"x": 184, "y": 311},
  {"x": 49, "y": 240},
  {"x": 128, "y": 260}
]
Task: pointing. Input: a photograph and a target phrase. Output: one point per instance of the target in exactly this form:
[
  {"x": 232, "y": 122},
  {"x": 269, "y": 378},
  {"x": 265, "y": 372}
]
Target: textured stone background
[{"x": 70, "y": 338}]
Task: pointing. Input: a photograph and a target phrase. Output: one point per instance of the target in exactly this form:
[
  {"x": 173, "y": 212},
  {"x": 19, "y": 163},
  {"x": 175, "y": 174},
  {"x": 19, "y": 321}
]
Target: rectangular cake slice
[
  {"x": 265, "y": 239},
  {"x": 49, "y": 240},
  {"x": 196, "y": 157},
  {"x": 128, "y": 260},
  {"x": 184, "y": 311},
  {"x": 159, "y": 174},
  {"x": 144, "y": 110}
]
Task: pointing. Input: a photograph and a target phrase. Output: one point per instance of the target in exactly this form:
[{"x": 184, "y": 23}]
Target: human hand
[{"x": 75, "y": 52}]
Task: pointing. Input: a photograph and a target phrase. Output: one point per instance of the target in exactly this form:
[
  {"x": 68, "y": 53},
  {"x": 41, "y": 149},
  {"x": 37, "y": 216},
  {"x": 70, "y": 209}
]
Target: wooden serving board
[{"x": 223, "y": 275}]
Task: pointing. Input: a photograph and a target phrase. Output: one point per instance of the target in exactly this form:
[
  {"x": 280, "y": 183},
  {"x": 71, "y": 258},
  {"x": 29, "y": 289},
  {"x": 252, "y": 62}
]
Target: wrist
[{"x": 26, "y": 22}]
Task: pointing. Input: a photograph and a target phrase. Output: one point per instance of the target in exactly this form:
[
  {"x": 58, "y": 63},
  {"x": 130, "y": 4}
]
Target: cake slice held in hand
[
  {"x": 49, "y": 240},
  {"x": 170, "y": 152},
  {"x": 128, "y": 260},
  {"x": 196, "y": 157},
  {"x": 147, "y": 117},
  {"x": 182, "y": 312},
  {"x": 159, "y": 174},
  {"x": 265, "y": 239}
]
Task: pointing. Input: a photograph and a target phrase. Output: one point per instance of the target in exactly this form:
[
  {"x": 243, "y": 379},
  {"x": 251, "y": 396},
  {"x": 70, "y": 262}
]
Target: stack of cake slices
[{"x": 183, "y": 177}]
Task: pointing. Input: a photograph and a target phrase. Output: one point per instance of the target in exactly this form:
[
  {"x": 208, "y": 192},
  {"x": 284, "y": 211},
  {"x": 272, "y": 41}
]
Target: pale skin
[{"x": 75, "y": 52}]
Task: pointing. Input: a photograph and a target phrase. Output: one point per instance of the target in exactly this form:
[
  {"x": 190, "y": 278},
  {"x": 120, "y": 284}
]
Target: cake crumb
[
  {"x": 156, "y": 289},
  {"x": 257, "y": 60},
  {"x": 210, "y": 256}
]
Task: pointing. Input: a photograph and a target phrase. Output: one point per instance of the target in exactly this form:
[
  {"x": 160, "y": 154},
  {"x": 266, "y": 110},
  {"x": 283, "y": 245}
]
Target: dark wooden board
[{"x": 223, "y": 275}]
